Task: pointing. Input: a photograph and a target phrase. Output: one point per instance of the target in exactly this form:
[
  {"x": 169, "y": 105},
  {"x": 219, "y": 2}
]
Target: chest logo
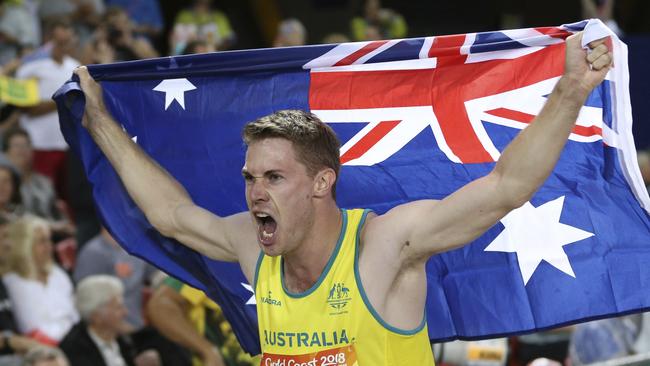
[
  {"x": 339, "y": 296},
  {"x": 270, "y": 300}
]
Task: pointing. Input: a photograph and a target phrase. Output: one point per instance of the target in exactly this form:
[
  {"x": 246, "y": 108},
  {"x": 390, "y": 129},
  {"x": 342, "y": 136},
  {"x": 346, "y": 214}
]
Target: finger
[
  {"x": 602, "y": 62},
  {"x": 79, "y": 69},
  {"x": 598, "y": 42},
  {"x": 597, "y": 52}
]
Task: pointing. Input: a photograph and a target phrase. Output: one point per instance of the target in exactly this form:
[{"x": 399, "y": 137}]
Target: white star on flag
[
  {"x": 174, "y": 90},
  {"x": 248, "y": 287},
  {"x": 134, "y": 138},
  {"x": 536, "y": 234}
]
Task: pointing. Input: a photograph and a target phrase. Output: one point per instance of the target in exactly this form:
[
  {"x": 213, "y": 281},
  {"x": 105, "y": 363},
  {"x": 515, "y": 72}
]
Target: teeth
[
  {"x": 267, "y": 235},
  {"x": 261, "y": 215}
]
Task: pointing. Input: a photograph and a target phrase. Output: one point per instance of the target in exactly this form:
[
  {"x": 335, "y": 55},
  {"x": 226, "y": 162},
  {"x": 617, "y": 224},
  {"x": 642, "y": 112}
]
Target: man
[
  {"x": 96, "y": 340},
  {"x": 42, "y": 121},
  {"x": 342, "y": 285},
  {"x": 102, "y": 255},
  {"x": 187, "y": 316}
]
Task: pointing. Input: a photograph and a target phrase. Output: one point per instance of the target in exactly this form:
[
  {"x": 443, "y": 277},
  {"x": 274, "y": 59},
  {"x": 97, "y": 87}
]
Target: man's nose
[{"x": 258, "y": 190}]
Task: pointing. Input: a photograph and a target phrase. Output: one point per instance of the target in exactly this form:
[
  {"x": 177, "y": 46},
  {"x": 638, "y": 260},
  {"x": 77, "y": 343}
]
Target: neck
[
  {"x": 303, "y": 267},
  {"x": 104, "y": 334},
  {"x": 57, "y": 54},
  {"x": 41, "y": 276}
]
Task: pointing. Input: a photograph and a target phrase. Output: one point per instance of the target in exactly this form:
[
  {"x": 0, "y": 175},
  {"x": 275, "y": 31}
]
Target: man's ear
[{"x": 324, "y": 182}]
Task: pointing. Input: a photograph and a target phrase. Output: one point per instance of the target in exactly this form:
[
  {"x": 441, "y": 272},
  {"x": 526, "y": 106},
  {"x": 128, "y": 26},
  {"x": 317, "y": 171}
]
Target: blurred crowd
[{"x": 69, "y": 293}]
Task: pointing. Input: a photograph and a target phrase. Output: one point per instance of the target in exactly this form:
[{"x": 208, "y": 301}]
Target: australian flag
[{"x": 418, "y": 119}]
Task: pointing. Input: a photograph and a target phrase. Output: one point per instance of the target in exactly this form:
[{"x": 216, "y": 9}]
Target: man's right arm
[{"x": 165, "y": 203}]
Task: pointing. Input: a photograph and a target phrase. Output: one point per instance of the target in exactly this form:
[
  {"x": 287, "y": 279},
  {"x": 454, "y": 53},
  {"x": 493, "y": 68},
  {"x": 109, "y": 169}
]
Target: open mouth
[{"x": 266, "y": 227}]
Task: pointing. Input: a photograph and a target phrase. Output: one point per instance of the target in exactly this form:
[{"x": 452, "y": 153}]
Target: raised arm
[
  {"x": 166, "y": 204},
  {"x": 428, "y": 227}
]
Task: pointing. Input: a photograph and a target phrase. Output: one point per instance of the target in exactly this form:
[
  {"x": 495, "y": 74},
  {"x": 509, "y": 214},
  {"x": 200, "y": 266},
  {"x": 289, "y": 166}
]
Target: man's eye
[{"x": 274, "y": 177}]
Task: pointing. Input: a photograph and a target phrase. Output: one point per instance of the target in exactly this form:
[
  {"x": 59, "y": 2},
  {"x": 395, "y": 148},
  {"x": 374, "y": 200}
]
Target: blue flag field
[{"x": 418, "y": 118}]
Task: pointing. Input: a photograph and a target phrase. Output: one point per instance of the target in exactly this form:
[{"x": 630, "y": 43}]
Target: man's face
[
  {"x": 63, "y": 36},
  {"x": 279, "y": 195}
]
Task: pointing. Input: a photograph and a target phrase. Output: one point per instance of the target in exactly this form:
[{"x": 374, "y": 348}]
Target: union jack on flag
[{"x": 418, "y": 119}]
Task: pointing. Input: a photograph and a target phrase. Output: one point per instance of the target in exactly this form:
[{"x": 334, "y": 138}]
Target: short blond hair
[
  {"x": 315, "y": 143},
  {"x": 22, "y": 232}
]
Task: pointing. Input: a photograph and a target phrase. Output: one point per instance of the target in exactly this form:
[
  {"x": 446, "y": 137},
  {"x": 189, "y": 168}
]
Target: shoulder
[
  {"x": 93, "y": 247},
  {"x": 13, "y": 281},
  {"x": 77, "y": 344},
  {"x": 70, "y": 63},
  {"x": 74, "y": 335},
  {"x": 189, "y": 293},
  {"x": 60, "y": 279}
]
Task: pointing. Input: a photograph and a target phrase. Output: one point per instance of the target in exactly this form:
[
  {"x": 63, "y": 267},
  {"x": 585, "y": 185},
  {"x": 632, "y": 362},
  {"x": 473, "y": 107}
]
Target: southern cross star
[
  {"x": 248, "y": 287},
  {"x": 174, "y": 90},
  {"x": 536, "y": 234}
]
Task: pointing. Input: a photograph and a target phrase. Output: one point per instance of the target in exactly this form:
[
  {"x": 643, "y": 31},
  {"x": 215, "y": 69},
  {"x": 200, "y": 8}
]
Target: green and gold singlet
[{"x": 332, "y": 323}]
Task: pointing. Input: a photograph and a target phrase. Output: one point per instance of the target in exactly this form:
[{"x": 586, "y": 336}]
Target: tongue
[{"x": 269, "y": 226}]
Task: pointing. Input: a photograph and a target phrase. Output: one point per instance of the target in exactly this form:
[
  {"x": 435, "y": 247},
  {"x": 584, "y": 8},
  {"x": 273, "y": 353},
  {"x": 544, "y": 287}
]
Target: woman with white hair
[
  {"x": 96, "y": 340},
  {"x": 41, "y": 293}
]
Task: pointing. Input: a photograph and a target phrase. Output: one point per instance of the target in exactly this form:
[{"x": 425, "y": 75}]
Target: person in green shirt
[{"x": 187, "y": 316}]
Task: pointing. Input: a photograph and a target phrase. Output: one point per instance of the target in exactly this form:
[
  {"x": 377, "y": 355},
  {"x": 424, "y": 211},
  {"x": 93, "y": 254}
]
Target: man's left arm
[{"x": 423, "y": 228}]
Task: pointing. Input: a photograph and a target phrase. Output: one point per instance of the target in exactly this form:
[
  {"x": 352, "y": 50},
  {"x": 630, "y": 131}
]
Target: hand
[
  {"x": 212, "y": 358},
  {"x": 94, "y": 97},
  {"x": 22, "y": 344},
  {"x": 148, "y": 358},
  {"x": 586, "y": 70}
]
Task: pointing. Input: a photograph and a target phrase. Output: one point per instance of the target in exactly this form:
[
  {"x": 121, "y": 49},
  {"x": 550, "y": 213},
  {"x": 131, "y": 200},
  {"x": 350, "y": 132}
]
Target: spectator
[
  {"x": 335, "y": 38},
  {"x": 40, "y": 291},
  {"x": 103, "y": 255},
  {"x": 36, "y": 190},
  {"x": 187, "y": 316},
  {"x": 84, "y": 15},
  {"x": 377, "y": 23},
  {"x": 120, "y": 35},
  {"x": 81, "y": 202},
  {"x": 145, "y": 14},
  {"x": 10, "y": 198},
  {"x": 604, "y": 340},
  {"x": 196, "y": 46},
  {"x": 19, "y": 31},
  {"x": 552, "y": 344},
  {"x": 291, "y": 32},
  {"x": 45, "y": 356},
  {"x": 96, "y": 340},
  {"x": 200, "y": 22},
  {"x": 11, "y": 343},
  {"x": 42, "y": 120},
  {"x": 98, "y": 50}
]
